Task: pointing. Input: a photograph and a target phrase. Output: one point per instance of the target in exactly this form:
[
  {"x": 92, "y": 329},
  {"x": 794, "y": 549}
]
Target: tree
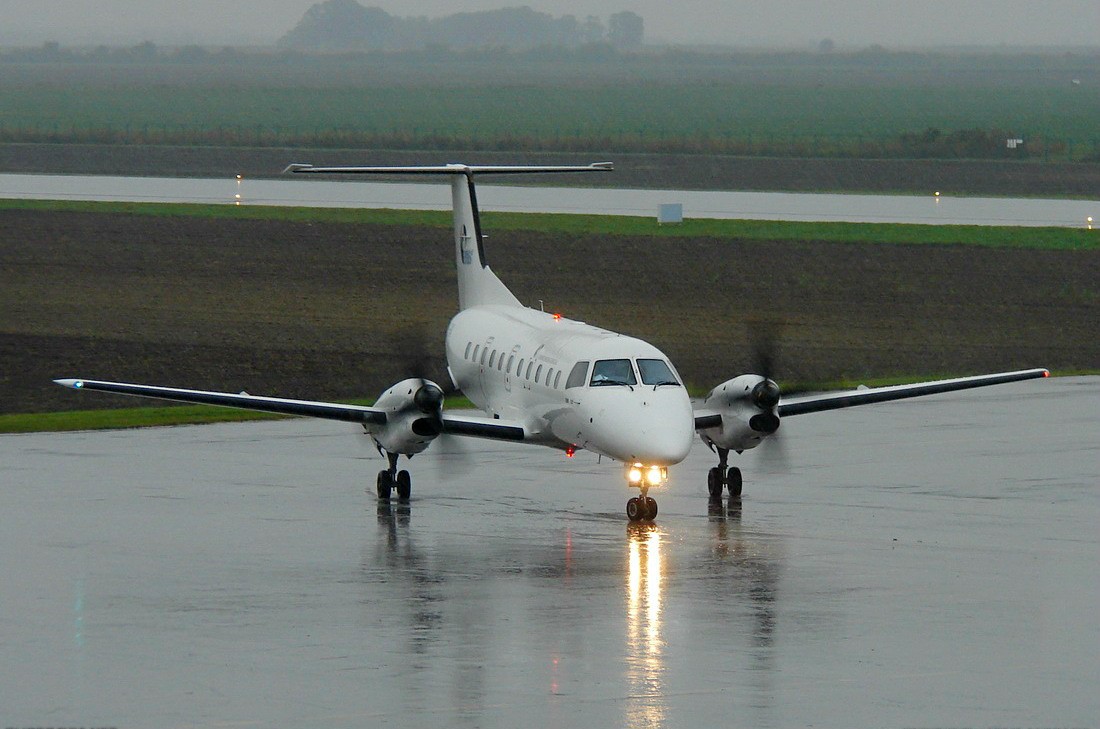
[
  {"x": 340, "y": 25},
  {"x": 593, "y": 30},
  {"x": 625, "y": 29},
  {"x": 144, "y": 52}
]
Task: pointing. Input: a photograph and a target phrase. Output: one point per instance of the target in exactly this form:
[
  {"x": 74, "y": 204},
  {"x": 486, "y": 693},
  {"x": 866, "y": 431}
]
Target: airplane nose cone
[
  {"x": 663, "y": 446},
  {"x": 656, "y": 430}
]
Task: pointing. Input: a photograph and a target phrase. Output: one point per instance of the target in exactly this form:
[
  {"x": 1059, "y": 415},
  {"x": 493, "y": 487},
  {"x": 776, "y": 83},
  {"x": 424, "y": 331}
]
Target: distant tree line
[
  {"x": 345, "y": 25},
  {"x": 144, "y": 53},
  {"x": 930, "y": 144}
]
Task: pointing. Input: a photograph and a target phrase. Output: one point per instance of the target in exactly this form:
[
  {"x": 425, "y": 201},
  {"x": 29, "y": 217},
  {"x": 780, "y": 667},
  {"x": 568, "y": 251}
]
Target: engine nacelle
[
  {"x": 748, "y": 407},
  {"x": 414, "y": 416}
]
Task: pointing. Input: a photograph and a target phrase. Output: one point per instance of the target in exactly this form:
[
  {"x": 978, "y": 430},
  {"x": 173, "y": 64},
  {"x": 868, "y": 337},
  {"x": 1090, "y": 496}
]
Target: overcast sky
[{"x": 787, "y": 23}]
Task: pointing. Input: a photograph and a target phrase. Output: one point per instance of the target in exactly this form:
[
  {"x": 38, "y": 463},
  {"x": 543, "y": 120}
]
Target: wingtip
[
  {"x": 296, "y": 167},
  {"x": 73, "y": 383}
]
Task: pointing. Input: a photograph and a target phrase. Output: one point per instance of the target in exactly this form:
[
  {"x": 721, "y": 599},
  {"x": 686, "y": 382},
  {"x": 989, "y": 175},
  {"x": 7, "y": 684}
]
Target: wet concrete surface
[{"x": 923, "y": 563}]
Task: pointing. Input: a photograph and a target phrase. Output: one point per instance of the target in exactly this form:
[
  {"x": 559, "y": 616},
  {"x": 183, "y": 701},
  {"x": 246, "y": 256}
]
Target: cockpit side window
[
  {"x": 656, "y": 372},
  {"x": 577, "y": 375},
  {"x": 613, "y": 372}
]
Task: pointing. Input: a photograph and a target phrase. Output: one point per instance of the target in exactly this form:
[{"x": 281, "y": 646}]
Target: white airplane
[{"x": 543, "y": 379}]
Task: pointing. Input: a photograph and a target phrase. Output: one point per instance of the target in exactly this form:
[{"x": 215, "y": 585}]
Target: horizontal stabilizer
[{"x": 451, "y": 169}]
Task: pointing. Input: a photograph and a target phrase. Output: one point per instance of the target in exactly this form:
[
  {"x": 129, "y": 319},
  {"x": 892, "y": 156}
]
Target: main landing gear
[
  {"x": 720, "y": 476},
  {"x": 391, "y": 479}
]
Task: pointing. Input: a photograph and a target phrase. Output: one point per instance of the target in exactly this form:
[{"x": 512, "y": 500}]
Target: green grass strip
[
  {"x": 125, "y": 418},
  {"x": 1050, "y": 238},
  {"x": 143, "y": 417}
]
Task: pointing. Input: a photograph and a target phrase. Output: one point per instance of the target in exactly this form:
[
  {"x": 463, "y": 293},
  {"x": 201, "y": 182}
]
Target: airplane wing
[
  {"x": 331, "y": 411},
  {"x": 868, "y": 395},
  {"x": 465, "y": 425},
  {"x": 479, "y": 427},
  {"x": 707, "y": 419}
]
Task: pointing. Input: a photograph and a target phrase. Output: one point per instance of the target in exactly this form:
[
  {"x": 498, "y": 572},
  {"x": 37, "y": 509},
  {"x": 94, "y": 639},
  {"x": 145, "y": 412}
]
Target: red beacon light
[
  {"x": 570, "y": 451},
  {"x": 557, "y": 316}
]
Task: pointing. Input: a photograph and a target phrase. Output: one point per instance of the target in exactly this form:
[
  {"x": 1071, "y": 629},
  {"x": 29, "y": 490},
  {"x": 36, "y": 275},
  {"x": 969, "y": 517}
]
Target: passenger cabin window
[
  {"x": 656, "y": 372},
  {"x": 577, "y": 376},
  {"x": 613, "y": 372}
]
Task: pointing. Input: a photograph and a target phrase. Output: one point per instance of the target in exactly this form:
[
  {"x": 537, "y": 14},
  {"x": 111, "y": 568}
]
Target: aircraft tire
[
  {"x": 634, "y": 510},
  {"x": 733, "y": 481},
  {"x": 385, "y": 484},
  {"x": 714, "y": 482},
  {"x": 404, "y": 485},
  {"x": 650, "y": 509}
]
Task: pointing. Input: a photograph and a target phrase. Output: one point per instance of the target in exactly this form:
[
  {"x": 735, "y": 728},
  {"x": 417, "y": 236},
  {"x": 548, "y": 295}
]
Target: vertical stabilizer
[{"x": 477, "y": 284}]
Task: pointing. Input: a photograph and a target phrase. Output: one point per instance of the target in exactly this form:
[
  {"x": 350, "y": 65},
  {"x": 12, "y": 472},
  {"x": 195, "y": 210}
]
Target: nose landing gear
[
  {"x": 391, "y": 478},
  {"x": 641, "y": 508},
  {"x": 642, "y": 477}
]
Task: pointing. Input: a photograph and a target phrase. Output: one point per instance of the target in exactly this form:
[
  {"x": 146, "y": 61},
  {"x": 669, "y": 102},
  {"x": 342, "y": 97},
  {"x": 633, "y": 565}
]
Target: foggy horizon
[{"x": 850, "y": 24}]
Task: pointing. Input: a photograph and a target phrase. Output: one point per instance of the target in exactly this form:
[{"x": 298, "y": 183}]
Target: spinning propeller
[
  {"x": 764, "y": 338},
  {"x": 429, "y": 398}
]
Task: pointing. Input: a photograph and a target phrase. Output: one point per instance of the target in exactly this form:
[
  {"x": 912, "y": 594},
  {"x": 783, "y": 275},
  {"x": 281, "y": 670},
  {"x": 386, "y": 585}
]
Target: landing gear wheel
[
  {"x": 404, "y": 485},
  {"x": 641, "y": 508},
  {"x": 733, "y": 481},
  {"x": 385, "y": 484},
  {"x": 714, "y": 483}
]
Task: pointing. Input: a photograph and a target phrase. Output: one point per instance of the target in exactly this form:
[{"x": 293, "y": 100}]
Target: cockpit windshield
[
  {"x": 656, "y": 372},
  {"x": 613, "y": 372}
]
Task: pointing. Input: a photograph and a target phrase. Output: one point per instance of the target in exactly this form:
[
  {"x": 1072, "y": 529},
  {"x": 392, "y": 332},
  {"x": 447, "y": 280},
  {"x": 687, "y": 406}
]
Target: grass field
[
  {"x": 333, "y": 305},
  {"x": 847, "y": 106}
]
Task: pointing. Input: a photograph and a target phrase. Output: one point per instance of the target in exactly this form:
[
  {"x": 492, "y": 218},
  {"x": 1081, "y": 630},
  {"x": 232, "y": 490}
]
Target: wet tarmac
[{"x": 922, "y": 563}]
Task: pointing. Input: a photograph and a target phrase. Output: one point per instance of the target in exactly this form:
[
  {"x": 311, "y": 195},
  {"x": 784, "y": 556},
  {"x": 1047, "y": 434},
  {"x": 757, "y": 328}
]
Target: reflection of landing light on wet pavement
[{"x": 645, "y": 670}]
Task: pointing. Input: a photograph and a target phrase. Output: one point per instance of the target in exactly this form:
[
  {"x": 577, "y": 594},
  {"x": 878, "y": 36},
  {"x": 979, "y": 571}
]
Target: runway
[
  {"x": 923, "y": 563},
  {"x": 916, "y": 209}
]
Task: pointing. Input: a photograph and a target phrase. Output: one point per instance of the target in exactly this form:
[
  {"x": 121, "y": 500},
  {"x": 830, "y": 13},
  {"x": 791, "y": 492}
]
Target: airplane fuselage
[{"x": 544, "y": 370}]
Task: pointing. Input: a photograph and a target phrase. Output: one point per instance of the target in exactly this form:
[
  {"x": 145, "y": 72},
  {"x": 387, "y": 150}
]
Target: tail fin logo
[{"x": 466, "y": 245}]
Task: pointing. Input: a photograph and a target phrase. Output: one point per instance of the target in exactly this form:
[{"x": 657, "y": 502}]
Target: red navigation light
[
  {"x": 1046, "y": 373},
  {"x": 557, "y": 316}
]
